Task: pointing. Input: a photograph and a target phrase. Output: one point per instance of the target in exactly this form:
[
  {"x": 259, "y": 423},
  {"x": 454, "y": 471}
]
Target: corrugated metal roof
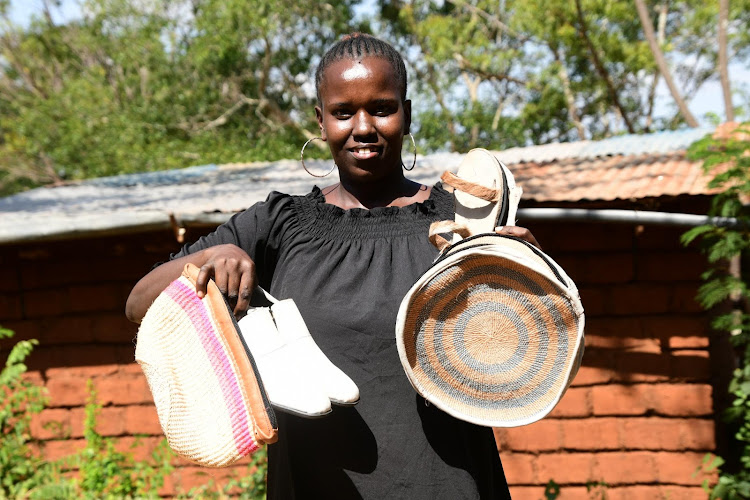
[{"x": 619, "y": 168}]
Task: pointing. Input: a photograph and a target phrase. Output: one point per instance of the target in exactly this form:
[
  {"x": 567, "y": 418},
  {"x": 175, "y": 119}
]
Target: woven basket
[
  {"x": 208, "y": 394},
  {"x": 492, "y": 333}
]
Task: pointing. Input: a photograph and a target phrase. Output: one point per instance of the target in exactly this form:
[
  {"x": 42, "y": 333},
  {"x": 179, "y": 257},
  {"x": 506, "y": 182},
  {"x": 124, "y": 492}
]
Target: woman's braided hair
[{"x": 356, "y": 46}]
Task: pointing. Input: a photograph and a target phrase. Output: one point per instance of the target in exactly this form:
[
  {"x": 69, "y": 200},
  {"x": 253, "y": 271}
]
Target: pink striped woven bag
[{"x": 206, "y": 388}]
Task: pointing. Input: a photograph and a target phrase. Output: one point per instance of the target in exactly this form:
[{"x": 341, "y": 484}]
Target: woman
[{"x": 347, "y": 254}]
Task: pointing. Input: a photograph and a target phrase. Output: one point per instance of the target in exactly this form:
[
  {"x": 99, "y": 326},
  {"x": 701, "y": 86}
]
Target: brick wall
[
  {"x": 639, "y": 416},
  {"x": 635, "y": 424}
]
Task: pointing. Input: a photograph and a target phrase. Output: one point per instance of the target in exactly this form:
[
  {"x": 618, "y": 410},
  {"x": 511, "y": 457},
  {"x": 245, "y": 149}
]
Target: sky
[{"x": 708, "y": 99}]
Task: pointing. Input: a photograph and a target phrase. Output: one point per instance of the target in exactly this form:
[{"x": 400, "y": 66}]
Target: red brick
[
  {"x": 78, "y": 271},
  {"x": 106, "y": 297},
  {"x": 597, "y": 367},
  {"x": 541, "y": 435},
  {"x": 187, "y": 478},
  {"x": 659, "y": 237},
  {"x": 620, "y": 399},
  {"x": 651, "y": 433},
  {"x": 85, "y": 372},
  {"x": 641, "y": 367},
  {"x": 522, "y": 492},
  {"x": 519, "y": 468},
  {"x": 35, "y": 252},
  {"x": 77, "y": 421},
  {"x": 10, "y": 307},
  {"x": 598, "y": 268},
  {"x": 130, "y": 369},
  {"x": 625, "y": 467},
  {"x": 123, "y": 390},
  {"x": 566, "y": 468},
  {"x": 663, "y": 399},
  {"x": 114, "y": 327},
  {"x": 567, "y": 492},
  {"x": 575, "y": 403},
  {"x": 683, "y": 299},
  {"x": 670, "y": 266},
  {"x": 675, "y": 326},
  {"x": 142, "y": 420},
  {"x": 594, "y": 300},
  {"x": 623, "y": 343},
  {"x": 51, "y": 424},
  {"x": 140, "y": 447},
  {"x": 690, "y": 365},
  {"x": 67, "y": 391},
  {"x": 75, "y": 355},
  {"x": 67, "y": 330},
  {"x": 680, "y": 467},
  {"x": 698, "y": 434},
  {"x": 590, "y": 375},
  {"x": 693, "y": 342},
  {"x": 34, "y": 377},
  {"x": 690, "y": 400},
  {"x": 590, "y": 434},
  {"x": 640, "y": 298},
  {"x": 664, "y": 492},
  {"x": 41, "y": 303},
  {"x": 585, "y": 237},
  {"x": 616, "y": 326},
  {"x": 55, "y": 450},
  {"x": 111, "y": 421}
]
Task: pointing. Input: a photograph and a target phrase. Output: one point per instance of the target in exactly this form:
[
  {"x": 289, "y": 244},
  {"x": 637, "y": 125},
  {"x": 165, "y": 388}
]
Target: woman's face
[{"x": 363, "y": 117}]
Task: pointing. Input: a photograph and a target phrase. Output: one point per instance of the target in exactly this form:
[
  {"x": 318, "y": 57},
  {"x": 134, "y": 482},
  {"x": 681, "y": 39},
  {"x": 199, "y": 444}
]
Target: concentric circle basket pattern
[{"x": 491, "y": 334}]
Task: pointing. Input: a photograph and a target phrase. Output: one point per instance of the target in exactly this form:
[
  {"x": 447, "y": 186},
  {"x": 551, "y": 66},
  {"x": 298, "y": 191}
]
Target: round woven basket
[{"x": 492, "y": 333}]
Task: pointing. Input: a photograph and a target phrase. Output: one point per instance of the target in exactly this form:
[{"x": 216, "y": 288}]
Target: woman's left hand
[{"x": 518, "y": 232}]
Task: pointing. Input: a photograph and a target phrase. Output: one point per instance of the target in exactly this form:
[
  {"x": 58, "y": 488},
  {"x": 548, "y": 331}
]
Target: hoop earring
[
  {"x": 415, "y": 155},
  {"x": 302, "y": 158}
]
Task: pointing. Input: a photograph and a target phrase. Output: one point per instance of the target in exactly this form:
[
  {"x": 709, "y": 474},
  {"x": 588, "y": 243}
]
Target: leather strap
[
  {"x": 446, "y": 226},
  {"x": 472, "y": 188}
]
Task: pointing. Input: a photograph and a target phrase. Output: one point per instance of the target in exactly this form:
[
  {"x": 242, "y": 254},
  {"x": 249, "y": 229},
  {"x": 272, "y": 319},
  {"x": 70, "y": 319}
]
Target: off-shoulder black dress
[{"x": 347, "y": 271}]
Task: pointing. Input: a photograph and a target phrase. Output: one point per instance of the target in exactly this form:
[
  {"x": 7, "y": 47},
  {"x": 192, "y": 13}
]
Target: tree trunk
[
  {"x": 723, "y": 60},
  {"x": 660, "y": 37},
  {"x": 648, "y": 30}
]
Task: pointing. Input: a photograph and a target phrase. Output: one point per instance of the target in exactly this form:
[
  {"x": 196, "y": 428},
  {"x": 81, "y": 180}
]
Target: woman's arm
[
  {"x": 518, "y": 232},
  {"x": 228, "y": 265}
]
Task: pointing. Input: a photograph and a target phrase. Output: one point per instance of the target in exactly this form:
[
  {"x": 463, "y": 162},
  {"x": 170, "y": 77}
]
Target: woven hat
[
  {"x": 207, "y": 391},
  {"x": 492, "y": 333}
]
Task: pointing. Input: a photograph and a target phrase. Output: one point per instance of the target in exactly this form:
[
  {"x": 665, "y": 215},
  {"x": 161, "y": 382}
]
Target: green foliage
[
  {"x": 103, "y": 472},
  {"x": 551, "y": 490},
  {"x": 22, "y": 472},
  {"x": 725, "y": 157},
  {"x": 582, "y": 70},
  {"x": 159, "y": 84}
]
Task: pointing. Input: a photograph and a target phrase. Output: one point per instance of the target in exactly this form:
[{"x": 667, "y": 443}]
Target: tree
[
  {"x": 584, "y": 69},
  {"x": 159, "y": 84}
]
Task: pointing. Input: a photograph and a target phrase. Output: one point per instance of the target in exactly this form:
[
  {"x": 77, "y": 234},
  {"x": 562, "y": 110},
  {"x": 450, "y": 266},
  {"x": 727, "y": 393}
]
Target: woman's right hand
[
  {"x": 228, "y": 265},
  {"x": 233, "y": 271}
]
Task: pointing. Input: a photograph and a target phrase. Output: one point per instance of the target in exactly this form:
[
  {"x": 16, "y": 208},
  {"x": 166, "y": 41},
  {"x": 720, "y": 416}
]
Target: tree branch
[
  {"x": 723, "y": 60},
  {"x": 648, "y": 30},
  {"x": 603, "y": 73}
]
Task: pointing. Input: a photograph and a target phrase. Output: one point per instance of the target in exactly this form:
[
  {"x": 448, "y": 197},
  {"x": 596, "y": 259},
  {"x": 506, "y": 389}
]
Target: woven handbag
[
  {"x": 492, "y": 333},
  {"x": 208, "y": 394}
]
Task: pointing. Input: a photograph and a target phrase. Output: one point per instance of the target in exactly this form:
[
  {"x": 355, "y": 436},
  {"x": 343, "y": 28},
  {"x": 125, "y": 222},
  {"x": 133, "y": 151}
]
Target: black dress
[{"x": 347, "y": 271}]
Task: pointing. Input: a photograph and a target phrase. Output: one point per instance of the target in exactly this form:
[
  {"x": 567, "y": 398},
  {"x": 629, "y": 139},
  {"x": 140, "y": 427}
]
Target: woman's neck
[{"x": 397, "y": 191}]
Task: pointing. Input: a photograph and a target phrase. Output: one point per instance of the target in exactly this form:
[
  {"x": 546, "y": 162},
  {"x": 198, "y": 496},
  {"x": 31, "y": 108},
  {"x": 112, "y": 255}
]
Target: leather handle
[
  {"x": 472, "y": 188},
  {"x": 446, "y": 226}
]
